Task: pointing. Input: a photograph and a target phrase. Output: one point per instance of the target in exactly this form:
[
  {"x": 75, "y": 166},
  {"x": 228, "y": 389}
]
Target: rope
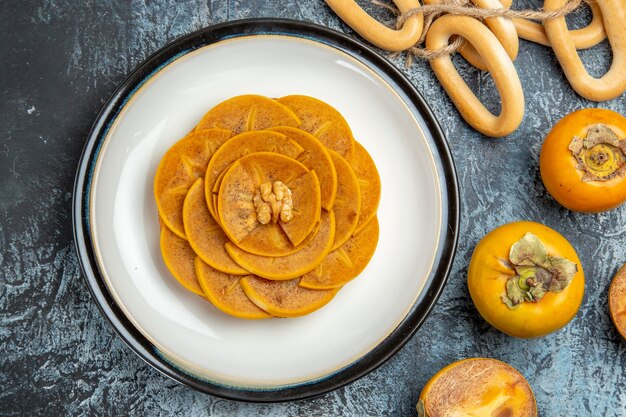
[{"x": 461, "y": 8}]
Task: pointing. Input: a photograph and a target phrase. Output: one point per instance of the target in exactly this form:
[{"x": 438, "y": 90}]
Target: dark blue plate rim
[{"x": 251, "y": 27}]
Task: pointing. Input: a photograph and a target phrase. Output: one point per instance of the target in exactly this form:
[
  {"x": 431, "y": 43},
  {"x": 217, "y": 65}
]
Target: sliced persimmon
[
  {"x": 369, "y": 184},
  {"x": 225, "y": 293},
  {"x": 284, "y": 298},
  {"x": 348, "y": 201},
  {"x": 218, "y": 181},
  {"x": 205, "y": 236},
  {"x": 477, "y": 387},
  {"x": 179, "y": 168},
  {"x": 346, "y": 263},
  {"x": 306, "y": 195},
  {"x": 241, "y": 145},
  {"x": 248, "y": 112},
  {"x": 237, "y": 213},
  {"x": 617, "y": 301},
  {"x": 281, "y": 246},
  {"x": 317, "y": 158},
  {"x": 324, "y": 122},
  {"x": 295, "y": 264},
  {"x": 280, "y": 239},
  {"x": 179, "y": 257}
]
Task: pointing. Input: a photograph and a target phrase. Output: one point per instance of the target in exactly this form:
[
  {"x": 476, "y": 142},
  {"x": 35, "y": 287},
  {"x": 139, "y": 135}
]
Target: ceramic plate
[{"x": 186, "y": 338}]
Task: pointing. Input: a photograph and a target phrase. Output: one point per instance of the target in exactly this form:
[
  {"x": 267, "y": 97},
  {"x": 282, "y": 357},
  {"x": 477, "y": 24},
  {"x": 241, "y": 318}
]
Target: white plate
[{"x": 280, "y": 358}]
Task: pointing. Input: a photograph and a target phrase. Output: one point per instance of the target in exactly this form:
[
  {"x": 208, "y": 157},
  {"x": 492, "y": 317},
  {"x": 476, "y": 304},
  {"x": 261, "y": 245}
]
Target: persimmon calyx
[
  {"x": 537, "y": 272},
  {"x": 601, "y": 154}
]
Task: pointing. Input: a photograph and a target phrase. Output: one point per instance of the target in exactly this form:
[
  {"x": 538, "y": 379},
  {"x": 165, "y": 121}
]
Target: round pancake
[
  {"x": 294, "y": 265},
  {"x": 178, "y": 257},
  {"x": 225, "y": 293},
  {"x": 369, "y": 184},
  {"x": 316, "y": 158},
  {"x": 179, "y": 168},
  {"x": 324, "y": 122},
  {"x": 285, "y": 298},
  {"x": 345, "y": 263},
  {"x": 205, "y": 236},
  {"x": 248, "y": 112},
  {"x": 237, "y": 213},
  {"x": 241, "y": 145},
  {"x": 348, "y": 201}
]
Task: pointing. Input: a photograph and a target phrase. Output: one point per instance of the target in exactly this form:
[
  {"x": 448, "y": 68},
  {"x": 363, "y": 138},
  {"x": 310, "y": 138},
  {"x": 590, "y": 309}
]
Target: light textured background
[{"x": 58, "y": 356}]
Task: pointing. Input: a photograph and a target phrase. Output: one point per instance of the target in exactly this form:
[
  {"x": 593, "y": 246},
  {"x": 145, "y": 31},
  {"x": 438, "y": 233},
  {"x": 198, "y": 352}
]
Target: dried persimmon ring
[
  {"x": 377, "y": 33},
  {"x": 613, "y": 82},
  {"x": 498, "y": 63},
  {"x": 503, "y": 28},
  {"x": 584, "y": 38}
]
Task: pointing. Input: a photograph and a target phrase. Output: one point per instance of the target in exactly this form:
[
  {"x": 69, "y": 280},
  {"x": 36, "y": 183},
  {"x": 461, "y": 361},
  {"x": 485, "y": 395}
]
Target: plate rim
[{"x": 136, "y": 341}]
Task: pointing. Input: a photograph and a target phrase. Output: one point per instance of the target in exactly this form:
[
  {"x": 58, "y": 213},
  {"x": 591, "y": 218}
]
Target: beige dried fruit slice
[
  {"x": 348, "y": 201},
  {"x": 225, "y": 293},
  {"x": 241, "y": 145},
  {"x": 369, "y": 184},
  {"x": 294, "y": 265},
  {"x": 324, "y": 122},
  {"x": 178, "y": 257},
  {"x": 248, "y": 112},
  {"x": 346, "y": 263},
  {"x": 285, "y": 298},
  {"x": 179, "y": 168},
  {"x": 316, "y": 158},
  {"x": 237, "y": 212},
  {"x": 205, "y": 236}
]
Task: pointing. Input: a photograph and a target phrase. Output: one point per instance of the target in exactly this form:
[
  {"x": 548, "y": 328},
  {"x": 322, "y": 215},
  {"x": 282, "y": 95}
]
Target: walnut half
[{"x": 273, "y": 201}]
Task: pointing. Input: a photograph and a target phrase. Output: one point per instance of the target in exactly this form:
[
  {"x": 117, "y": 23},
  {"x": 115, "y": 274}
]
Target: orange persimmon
[
  {"x": 477, "y": 387},
  {"x": 526, "y": 279},
  {"x": 583, "y": 160}
]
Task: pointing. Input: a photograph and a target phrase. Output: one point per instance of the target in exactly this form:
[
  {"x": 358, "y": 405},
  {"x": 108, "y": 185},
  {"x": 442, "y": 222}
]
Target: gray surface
[{"x": 58, "y": 356}]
